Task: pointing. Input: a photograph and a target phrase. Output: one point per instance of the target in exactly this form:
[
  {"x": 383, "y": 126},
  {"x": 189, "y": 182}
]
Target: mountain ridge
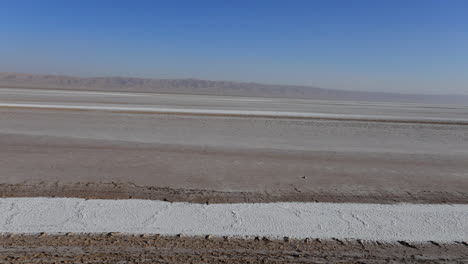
[{"x": 209, "y": 87}]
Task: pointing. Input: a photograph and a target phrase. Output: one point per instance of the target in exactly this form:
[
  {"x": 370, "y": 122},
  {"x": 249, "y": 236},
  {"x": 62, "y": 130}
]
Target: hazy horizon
[
  {"x": 417, "y": 47},
  {"x": 221, "y": 80}
]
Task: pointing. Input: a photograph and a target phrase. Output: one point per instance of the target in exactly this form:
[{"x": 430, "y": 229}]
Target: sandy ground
[
  {"x": 51, "y": 166},
  {"x": 116, "y": 248},
  {"x": 230, "y": 159},
  {"x": 203, "y": 159},
  {"x": 214, "y": 159}
]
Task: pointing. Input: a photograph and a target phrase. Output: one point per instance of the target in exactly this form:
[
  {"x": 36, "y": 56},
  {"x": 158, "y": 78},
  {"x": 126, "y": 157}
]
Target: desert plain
[{"x": 293, "y": 180}]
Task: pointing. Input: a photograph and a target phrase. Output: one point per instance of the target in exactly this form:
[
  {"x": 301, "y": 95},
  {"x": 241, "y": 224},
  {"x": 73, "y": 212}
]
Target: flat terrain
[
  {"x": 116, "y": 248},
  {"x": 202, "y": 158},
  {"x": 211, "y": 150},
  {"x": 208, "y": 87},
  {"x": 441, "y": 223},
  {"x": 331, "y": 107}
]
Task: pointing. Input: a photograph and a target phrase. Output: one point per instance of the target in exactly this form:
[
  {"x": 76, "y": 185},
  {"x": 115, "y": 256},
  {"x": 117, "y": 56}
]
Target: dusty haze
[{"x": 207, "y": 87}]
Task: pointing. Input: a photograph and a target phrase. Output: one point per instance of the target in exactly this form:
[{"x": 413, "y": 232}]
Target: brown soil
[
  {"x": 32, "y": 166},
  {"x": 117, "y": 248},
  {"x": 131, "y": 191}
]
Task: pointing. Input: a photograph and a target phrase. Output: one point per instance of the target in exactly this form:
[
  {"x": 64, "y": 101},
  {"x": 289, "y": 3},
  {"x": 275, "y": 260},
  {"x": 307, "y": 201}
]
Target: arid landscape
[
  {"x": 207, "y": 87},
  {"x": 280, "y": 180},
  {"x": 233, "y": 132},
  {"x": 118, "y": 248}
]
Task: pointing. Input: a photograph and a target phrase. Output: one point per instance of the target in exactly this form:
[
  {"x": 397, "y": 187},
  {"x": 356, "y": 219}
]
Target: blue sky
[{"x": 396, "y": 46}]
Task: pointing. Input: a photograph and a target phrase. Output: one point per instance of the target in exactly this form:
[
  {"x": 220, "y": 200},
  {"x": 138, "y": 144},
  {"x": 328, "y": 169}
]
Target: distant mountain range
[{"x": 206, "y": 87}]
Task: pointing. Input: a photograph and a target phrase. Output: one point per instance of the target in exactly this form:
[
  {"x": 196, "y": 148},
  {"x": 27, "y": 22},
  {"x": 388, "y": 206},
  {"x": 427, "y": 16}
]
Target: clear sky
[{"x": 396, "y": 46}]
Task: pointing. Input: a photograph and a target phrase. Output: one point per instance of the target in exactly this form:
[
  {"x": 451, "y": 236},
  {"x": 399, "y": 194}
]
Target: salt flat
[
  {"x": 205, "y": 102},
  {"x": 398, "y": 222},
  {"x": 350, "y": 174},
  {"x": 236, "y": 113},
  {"x": 229, "y": 149}
]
